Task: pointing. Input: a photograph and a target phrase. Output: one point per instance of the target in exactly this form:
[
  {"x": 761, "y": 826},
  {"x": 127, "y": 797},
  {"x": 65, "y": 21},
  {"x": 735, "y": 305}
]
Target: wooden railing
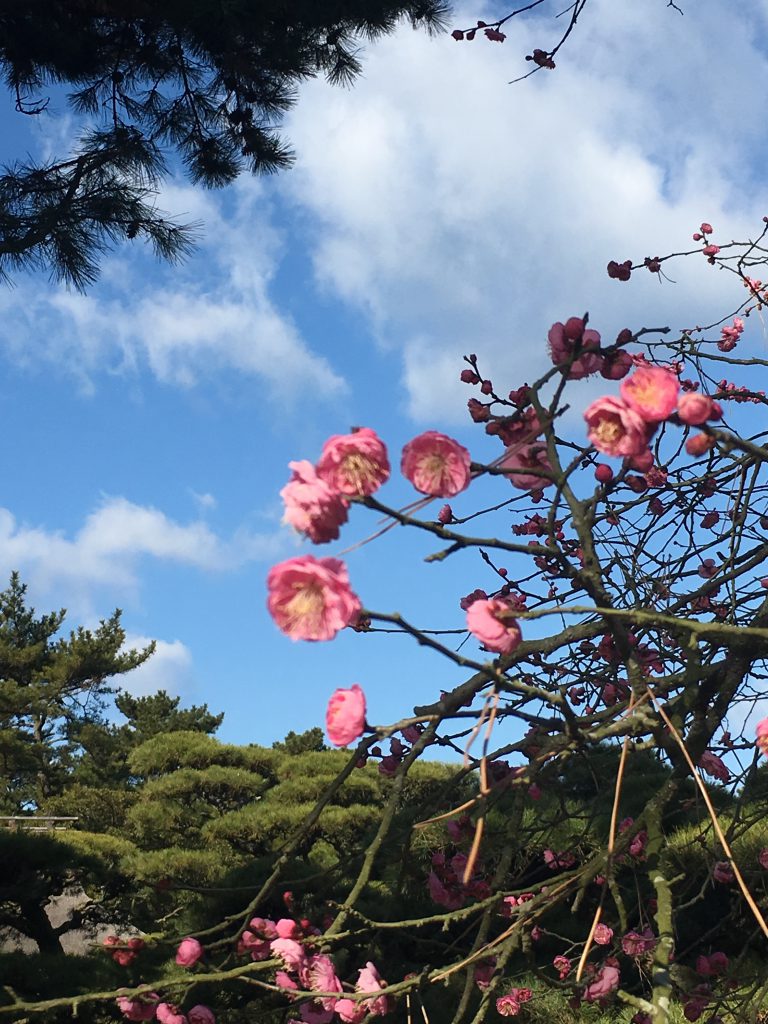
[{"x": 35, "y": 823}]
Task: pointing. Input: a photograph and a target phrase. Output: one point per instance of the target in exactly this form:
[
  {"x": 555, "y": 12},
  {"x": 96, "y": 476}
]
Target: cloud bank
[
  {"x": 108, "y": 550},
  {"x": 463, "y": 214}
]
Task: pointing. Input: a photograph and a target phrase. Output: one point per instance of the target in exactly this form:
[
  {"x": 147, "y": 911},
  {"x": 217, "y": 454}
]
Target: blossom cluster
[
  {"x": 624, "y": 426},
  {"x": 150, "y": 1006},
  {"x": 303, "y": 970},
  {"x": 446, "y": 885},
  {"x": 317, "y": 497}
]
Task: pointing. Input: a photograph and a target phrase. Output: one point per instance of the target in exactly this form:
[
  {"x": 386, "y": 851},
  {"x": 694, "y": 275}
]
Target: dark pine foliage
[{"x": 206, "y": 80}]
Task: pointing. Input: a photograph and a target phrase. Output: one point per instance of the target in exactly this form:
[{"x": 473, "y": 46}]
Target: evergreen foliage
[
  {"x": 51, "y": 689},
  {"x": 203, "y": 80}
]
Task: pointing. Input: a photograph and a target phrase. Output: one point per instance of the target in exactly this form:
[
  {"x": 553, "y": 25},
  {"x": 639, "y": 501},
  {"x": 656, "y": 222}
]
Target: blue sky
[{"x": 433, "y": 210}]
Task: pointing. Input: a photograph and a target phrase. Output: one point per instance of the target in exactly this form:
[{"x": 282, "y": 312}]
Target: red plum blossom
[
  {"x": 707, "y": 966},
  {"x": 616, "y": 366},
  {"x": 563, "y": 340},
  {"x": 723, "y": 872},
  {"x": 310, "y": 598},
  {"x": 436, "y": 464},
  {"x": 354, "y": 464},
  {"x": 714, "y": 766},
  {"x": 484, "y": 972},
  {"x": 345, "y": 716},
  {"x": 201, "y": 1014}
]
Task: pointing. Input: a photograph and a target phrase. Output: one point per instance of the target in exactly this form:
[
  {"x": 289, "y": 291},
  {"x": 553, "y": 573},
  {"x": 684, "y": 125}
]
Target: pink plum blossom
[
  {"x": 603, "y": 935},
  {"x": 530, "y": 457},
  {"x": 651, "y": 392},
  {"x": 509, "y": 1004},
  {"x": 354, "y": 464},
  {"x": 138, "y": 1008},
  {"x": 637, "y": 943},
  {"x": 492, "y": 621},
  {"x": 310, "y": 598},
  {"x": 696, "y": 1005},
  {"x": 201, "y": 1014},
  {"x": 436, "y": 465},
  {"x": 284, "y": 980},
  {"x": 607, "y": 981},
  {"x": 167, "y": 1013},
  {"x": 350, "y": 1011},
  {"x": 699, "y": 444},
  {"x": 506, "y": 1006},
  {"x": 762, "y": 736},
  {"x": 258, "y": 948},
  {"x": 694, "y": 408},
  {"x": 287, "y": 928},
  {"x": 614, "y": 428},
  {"x": 560, "y": 860},
  {"x": 319, "y": 975},
  {"x": 189, "y": 952},
  {"x": 638, "y": 843},
  {"x": 290, "y": 952},
  {"x": 730, "y": 335},
  {"x": 369, "y": 980},
  {"x": 264, "y": 927},
  {"x": 563, "y": 966},
  {"x": 643, "y": 461},
  {"x": 311, "y": 506},
  {"x": 345, "y": 716}
]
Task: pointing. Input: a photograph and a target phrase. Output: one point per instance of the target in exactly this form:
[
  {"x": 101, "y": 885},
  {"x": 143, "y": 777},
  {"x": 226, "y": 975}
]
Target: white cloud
[
  {"x": 107, "y": 551},
  {"x": 170, "y": 668},
  {"x": 204, "y": 501},
  {"x": 217, "y": 312},
  {"x": 462, "y": 214}
]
